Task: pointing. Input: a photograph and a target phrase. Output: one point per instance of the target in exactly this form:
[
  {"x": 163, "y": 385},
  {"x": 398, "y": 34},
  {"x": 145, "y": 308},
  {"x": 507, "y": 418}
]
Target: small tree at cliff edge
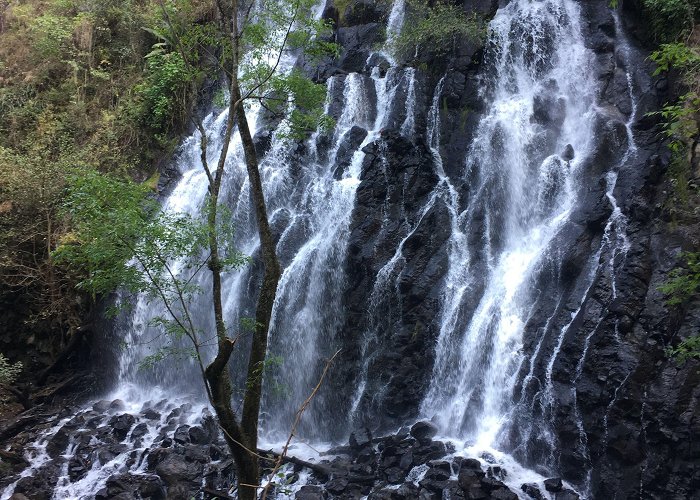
[{"x": 123, "y": 239}]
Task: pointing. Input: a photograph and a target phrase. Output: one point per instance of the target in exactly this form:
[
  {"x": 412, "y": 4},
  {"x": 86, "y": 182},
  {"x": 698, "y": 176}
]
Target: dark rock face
[{"x": 397, "y": 181}]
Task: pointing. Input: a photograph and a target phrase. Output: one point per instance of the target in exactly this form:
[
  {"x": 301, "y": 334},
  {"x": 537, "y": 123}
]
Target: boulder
[
  {"x": 360, "y": 438},
  {"x": 136, "y": 485},
  {"x": 198, "y": 435},
  {"x": 337, "y": 485},
  {"x": 121, "y": 424},
  {"x": 151, "y": 414},
  {"x": 532, "y": 491},
  {"x": 424, "y": 431},
  {"x": 139, "y": 431},
  {"x": 553, "y": 484},
  {"x": 182, "y": 434},
  {"x": 567, "y": 495},
  {"x": 310, "y": 492},
  {"x": 470, "y": 478},
  {"x": 175, "y": 469}
]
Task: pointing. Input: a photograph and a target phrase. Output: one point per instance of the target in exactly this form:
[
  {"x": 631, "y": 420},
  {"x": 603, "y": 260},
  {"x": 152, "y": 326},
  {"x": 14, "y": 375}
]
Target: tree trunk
[{"x": 268, "y": 290}]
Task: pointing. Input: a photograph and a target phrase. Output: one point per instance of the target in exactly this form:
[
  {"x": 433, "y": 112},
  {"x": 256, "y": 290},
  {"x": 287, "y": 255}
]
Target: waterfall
[
  {"x": 524, "y": 185},
  {"x": 311, "y": 197},
  {"x": 507, "y": 207},
  {"x": 512, "y": 165}
]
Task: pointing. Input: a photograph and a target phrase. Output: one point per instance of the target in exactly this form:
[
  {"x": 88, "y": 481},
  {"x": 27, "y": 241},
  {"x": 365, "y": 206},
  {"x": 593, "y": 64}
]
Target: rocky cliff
[{"x": 586, "y": 389}]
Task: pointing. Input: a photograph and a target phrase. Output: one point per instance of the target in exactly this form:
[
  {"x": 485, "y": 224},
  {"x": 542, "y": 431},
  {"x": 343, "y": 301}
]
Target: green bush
[
  {"x": 435, "y": 27},
  {"x": 670, "y": 19},
  {"x": 688, "y": 349},
  {"x": 8, "y": 371},
  {"x": 164, "y": 88},
  {"x": 684, "y": 283}
]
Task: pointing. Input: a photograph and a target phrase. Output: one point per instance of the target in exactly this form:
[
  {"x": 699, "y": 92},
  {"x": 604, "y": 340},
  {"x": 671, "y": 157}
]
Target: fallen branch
[
  {"x": 216, "y": 494},
  {"x": 297, "y": 419},
  {"x": 287, "y": 459}
]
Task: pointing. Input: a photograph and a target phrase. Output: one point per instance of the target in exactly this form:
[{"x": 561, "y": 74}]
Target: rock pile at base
[{"x": 175, "y": 451}]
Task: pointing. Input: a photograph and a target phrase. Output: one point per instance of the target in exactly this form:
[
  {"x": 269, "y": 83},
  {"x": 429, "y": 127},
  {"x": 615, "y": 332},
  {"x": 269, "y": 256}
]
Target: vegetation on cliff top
[{"x": 77, "y": 92}]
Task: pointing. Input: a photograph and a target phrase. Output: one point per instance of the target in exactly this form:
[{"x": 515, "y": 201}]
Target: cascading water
[
  {"x": 520, "y": 197},
  {"x": 521, "y": 194}
]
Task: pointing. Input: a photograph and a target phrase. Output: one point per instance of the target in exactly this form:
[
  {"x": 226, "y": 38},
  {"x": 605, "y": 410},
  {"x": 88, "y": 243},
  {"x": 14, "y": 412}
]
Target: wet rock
[
  {"x": 77, "y": 468},
  {"x": 366, "y": 456},
  {"x": 179, "y": 492},
  {"x": 547, "y": 110},
  {"x": 216, "y": 452},
  {"x": 436, "y": 479},
  {"x": 108, "y": 454},
  {"x": 310, "y": 492},
  {"x": 136, "y": 485},
  {"x": 468, "y": 463},
  {"x": 337, "y": 485},
  {"x": 182, "y": 434},
  {"x": 360, "y": 438},
  {"x": 117, "y": 405},
  {"x": 121, "y": 424},
  {"x": 356, "y": 42},
  {"x": 553, "y": 484},
  {"x": 432, "y": 451},
  {"x": 101, "y": 406},
  {"x": 175, "y": 469},
  {"x": 566, "y": 495},
  {"x": 198, "y": 435},
  {"x": 378, "y": 61},
  {"x": 424, "y": 431},
  {"x": 58, "y": 442},
  {"x": 350, "y": 143},
  {"x": 406, "y": 460},
  {"x": 497, "y": 472},
  {"x": 503, "y": 494},
  {"x": 395, "y": 475},
  {"x": 139, "y": 431},
  {"x": 568, "y": 153},
  {"x": 196, "y": 453},
  {"x": 363, "y": 12},
  {"x": 476, "y": 493},
  {"x": 470, "y": 478},
  {"x": 533, "y": 491},
  {"x": 40, "y": 485},
  {"x": 151, "y": 414}
]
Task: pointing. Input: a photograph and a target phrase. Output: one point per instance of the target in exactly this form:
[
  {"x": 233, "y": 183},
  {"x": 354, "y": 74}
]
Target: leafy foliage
[
  {"x": 76, "y": 93},
  {"x": 684, "y": 283},
  {"x": 436, "y": 27},
  {"x": 680, "y": 119},
  {"x": 676, "y": 55},
  {"x": 279, "y": 28},
  {"x": 670, "y": 19},
  {"x": 686, "y": 350},
  {"x": 9, "y": 371},
  {"x": 122, "y": 239}
]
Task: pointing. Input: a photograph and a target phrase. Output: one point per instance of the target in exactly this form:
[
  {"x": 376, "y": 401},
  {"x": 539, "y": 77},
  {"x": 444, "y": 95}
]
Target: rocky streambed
[{"x": 173, "y": 449}]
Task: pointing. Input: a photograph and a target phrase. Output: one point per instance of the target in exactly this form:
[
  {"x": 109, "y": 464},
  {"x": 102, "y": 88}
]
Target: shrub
[{"x": 437, "y": 27}]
